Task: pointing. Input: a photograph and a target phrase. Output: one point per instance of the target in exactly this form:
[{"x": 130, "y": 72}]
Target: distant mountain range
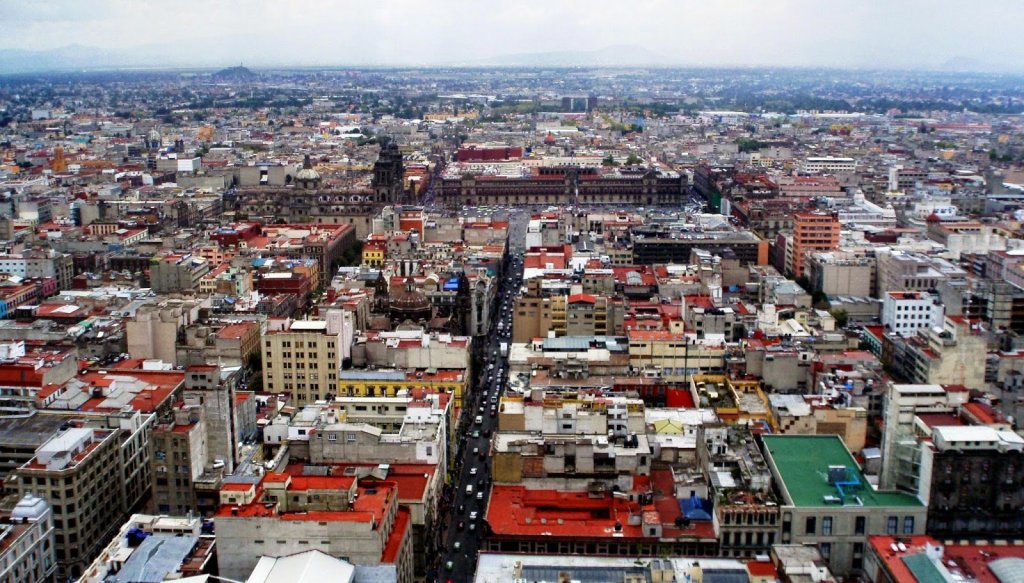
[{"x": 226, "y": 50}]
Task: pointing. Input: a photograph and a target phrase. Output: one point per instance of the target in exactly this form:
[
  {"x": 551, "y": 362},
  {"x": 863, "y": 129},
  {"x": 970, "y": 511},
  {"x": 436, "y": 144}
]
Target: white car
[
  {"x": 472, "y": 471},
  {"x": 473, "y": 515}
]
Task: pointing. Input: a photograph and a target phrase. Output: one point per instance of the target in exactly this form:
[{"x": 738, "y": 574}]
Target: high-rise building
[
  {"x": 302, "y": 360},
  {"x": 811, "y": 232},
  {"x": 26, "y": 542}
]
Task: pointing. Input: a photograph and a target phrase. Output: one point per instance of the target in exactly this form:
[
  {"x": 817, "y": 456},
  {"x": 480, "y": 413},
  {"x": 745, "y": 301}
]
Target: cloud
[{"x": 866, "y": 33}]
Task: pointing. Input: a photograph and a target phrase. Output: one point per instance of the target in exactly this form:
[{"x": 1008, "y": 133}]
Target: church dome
[
  {"x": 307, "y": 176},
  {"x": 410, "y": 303}
]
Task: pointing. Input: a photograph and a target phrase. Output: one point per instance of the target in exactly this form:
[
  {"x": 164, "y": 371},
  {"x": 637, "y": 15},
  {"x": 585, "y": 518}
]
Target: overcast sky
[{"x": 855, "y": 33}]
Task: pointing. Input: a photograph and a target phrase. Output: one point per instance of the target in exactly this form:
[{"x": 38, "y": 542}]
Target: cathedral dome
[
  {"x": 410, "y": 303},
  {"x": 307, "y": 176}
]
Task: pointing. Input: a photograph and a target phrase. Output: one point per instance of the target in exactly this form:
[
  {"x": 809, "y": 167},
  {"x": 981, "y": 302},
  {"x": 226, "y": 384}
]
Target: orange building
[{"x": 811, "y": 232}]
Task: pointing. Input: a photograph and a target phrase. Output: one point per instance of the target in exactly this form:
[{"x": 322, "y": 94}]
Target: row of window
[{"x": 860, "y": 522}]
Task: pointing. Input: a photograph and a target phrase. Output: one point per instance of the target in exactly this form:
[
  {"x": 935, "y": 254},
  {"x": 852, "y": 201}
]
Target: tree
[
  {"x": 633, "y": 160},
  {"x": 842, "y": 318},
  {"x": 608, "y": 160}
]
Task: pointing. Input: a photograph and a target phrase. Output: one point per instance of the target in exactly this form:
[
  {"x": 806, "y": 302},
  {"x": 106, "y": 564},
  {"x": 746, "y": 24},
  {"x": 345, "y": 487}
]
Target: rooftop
[{"x": 802, "y": 463}]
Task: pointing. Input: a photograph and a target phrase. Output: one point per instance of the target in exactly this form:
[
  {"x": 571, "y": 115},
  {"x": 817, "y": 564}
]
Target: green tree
[
  {"x": 633, "y": 160},
  {"x": 842, "y": 318},
  {"x": 608, "y": 160}
]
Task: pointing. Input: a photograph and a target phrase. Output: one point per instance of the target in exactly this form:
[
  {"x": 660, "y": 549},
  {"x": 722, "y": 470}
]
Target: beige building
[
  {"x": 285, "y": 514},
  {"x": 842, "y": 274},
  {"x": 153, "y": 331},
  {"x": 179, "y": 459},
  {"x": 177, "y": 273},
  {"x": 26, "y": 542},
  {"x": 660, "y": 351},
  {"x": 827, "y": 502},
  {"x": 560, "y": 315},
  {"x": 91, "y": 477},
  {"x": 302, "y": 360},
  {"x": 807, "y": 415}
]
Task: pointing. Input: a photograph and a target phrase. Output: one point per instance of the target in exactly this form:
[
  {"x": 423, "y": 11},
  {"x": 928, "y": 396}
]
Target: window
[
  {"x": 890, "y": 527},
  {"x": 908, "y": 525},
  {"x": 812, "y": 524},
  {"x": 858, "y": 525},
  {"x": 332, "y": 437},
  {"x": 826, "y": 550},
  {"x": 826, "y": 526}
]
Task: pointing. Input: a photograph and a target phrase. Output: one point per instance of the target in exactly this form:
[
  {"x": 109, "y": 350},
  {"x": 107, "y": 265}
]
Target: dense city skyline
[{"x": 793, "y": 33}]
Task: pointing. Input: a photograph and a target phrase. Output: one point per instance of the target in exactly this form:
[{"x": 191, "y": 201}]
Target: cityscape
[{"x": 550, "y": 314}]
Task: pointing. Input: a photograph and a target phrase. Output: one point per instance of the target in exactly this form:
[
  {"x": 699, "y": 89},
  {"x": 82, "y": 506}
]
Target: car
[
  {"x": 473, "y": 515},
  {"x": 476, "y": 451},
  {"x": 487, "y": 432},
  {"x": 449, "y": 566},
  {"x": 472, "y": 526},
  {"x": 461, "y": 525},
  {"x": 479, "y": 495},
  {"x": 462, "y": 508},
  {"x": 457, "y": 546},
  {"x": 472, "y": 471},
  {"x": 493, "y": 413},
  {"x": 479, "y": 419},
  {"x": 476, "y": 434}
]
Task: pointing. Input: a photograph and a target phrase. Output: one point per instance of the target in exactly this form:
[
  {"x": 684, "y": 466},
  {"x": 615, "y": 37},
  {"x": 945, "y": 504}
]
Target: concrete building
[
  {"x": 810, "y": 415},
  {"x": 500, "y": 568},
  {"x": 177, "y": 273},
  {"x": 284, "y": 514},
  {"x": 907, "y": 271},
  {"x": 92, "y": 477},
  {"x": 179, "y": 460},
  {"x": 302, "y": 360},
  {"x": 27, "y": 542},
  {"x": 153, "y": 331},
  {"x": 951, "y": 355},
  {"x": 906, "y": 313},
  {"x": 827, "y": 502},
  {"x": 24, "y": 373},
  {"x": 974, "y": 477},
  {"x": 155, "y": 548},
  {"x": 226, "y": 417},
  {"x": 746, "y": 246},
  {"x": 811, "y": 232},
  {"x": 828, "y": 164},
  {"x": 837, "y": 273}
]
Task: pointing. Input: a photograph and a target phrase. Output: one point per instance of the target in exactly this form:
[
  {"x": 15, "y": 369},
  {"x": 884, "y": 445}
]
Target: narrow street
[{"x": 463, "y": 525}]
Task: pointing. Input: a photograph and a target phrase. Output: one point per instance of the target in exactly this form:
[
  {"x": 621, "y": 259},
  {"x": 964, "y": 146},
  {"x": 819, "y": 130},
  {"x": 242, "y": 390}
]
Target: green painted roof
[
  {"x": 802, "y": 461},
  {"x": 923, "y": 569}
]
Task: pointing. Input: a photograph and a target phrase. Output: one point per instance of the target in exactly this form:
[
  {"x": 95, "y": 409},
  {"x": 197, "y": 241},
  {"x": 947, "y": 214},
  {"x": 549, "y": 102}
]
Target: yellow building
[{"x": 389, "y": 383}]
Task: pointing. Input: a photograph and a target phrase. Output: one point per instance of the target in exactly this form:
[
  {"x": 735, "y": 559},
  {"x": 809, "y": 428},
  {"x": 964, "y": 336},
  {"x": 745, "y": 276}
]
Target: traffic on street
[{"x": 463, "y": 527}]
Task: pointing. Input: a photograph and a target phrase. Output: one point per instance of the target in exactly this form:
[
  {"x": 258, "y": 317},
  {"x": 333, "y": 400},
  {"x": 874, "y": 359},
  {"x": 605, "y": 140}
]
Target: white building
[
  {"x": 816, "y": 165},
  {"x": 906, "y": 312},
  {"x": 26, "y": 542}
]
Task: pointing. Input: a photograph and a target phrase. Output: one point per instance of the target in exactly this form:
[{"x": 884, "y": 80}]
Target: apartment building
[
  {"x": 906, "y": 313},
  {"x": 907, "y": 271},
  {"x": 79, "y": 472},
  {"x": 177, "y": 273},
  {"x": 828, "y": 164},
  {"x": 838, "y": 273},
  {"x": 811, "y": 232},
  {"x": 827, "y": 502},
  {"x": 283, "y": 514},
  {"x": 302, "y": 360},
  {"x": 179, "y": 460},
  {"x": 156, "y": 548},
  {"x": 27, "y": 542}
]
